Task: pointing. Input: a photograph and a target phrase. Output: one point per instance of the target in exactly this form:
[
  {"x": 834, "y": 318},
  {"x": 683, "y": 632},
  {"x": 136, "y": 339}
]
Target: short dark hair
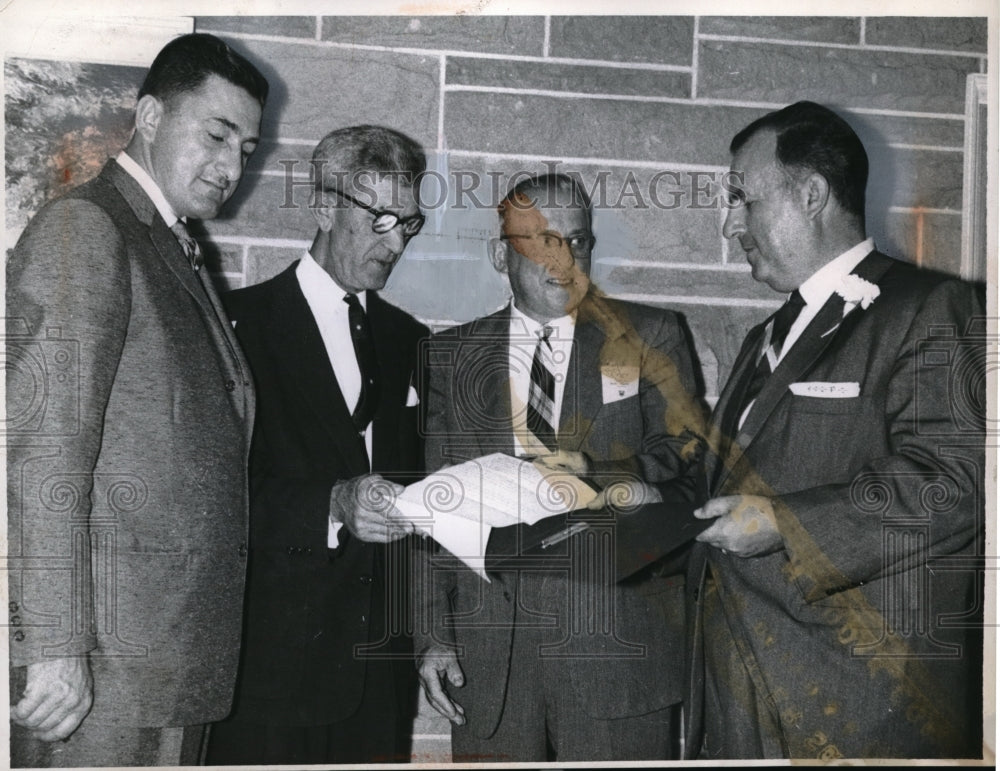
[
  {"x": 367, "y": 149},
  {"x": 186, "y": 62},
  {"x": 552, "y": 182},
  {"x": 813, "y": 138}
]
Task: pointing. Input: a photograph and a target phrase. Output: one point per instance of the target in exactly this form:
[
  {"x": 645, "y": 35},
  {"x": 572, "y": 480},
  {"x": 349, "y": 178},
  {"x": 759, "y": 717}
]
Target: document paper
[{"x": 459, "y": 506}]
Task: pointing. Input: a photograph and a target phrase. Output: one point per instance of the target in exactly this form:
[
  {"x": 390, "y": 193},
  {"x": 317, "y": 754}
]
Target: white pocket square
[
  {"x": 826, "y": 390},
  {"x": 412, "y": 400}
]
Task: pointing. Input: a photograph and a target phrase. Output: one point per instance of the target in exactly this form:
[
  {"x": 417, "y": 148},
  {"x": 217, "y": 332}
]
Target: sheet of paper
[
  {"x": 497, "y": 489},
  {"x": 459, "y": 505}
]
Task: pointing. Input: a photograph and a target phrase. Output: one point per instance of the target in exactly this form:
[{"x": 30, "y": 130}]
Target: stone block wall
[{"x": 642, "y": 107}]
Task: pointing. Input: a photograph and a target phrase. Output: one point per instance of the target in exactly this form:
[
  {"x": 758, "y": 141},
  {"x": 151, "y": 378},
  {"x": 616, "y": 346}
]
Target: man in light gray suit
[
  {"x": 130, "y": 411},
  {"x": 559, "y": 664}
]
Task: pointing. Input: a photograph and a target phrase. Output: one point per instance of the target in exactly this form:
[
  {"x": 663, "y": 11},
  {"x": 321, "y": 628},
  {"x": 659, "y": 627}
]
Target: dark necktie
[
  {"x": 188, "y": 244},
  {"x": 364, "y": 350},
  {"x": 542, "y": 395},
  {"x": 780, "y": 325}
]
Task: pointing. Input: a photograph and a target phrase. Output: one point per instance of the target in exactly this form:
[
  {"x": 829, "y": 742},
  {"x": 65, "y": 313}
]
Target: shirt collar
[
  {"x": 310, "y": 272},
  {"x": 817, "y": 289},
  {"x": 562, "y": 327},
  {"x": 140, "y": 175}
]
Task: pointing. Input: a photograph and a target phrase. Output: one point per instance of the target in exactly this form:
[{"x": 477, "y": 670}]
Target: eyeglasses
[
  {"x": 579, "y": 246},
  {"x": 384, "y": 220}
]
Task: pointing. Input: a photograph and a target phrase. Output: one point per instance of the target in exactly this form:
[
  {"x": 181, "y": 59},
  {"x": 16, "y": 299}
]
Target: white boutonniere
[{"x": 856, "y": 291}]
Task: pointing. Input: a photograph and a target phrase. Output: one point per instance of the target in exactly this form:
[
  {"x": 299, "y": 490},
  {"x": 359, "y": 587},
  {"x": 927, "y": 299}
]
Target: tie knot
[
  {"x": 543, "y": 335},
  {"x": 784, "y": 319},
  {"x": 352, "y": 300},
  {"x": 188, "y": 244}
]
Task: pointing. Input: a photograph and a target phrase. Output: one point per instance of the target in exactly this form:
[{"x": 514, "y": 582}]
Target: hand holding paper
[
  {"x": 365, "y": 506},
  {"x": 625, "y": 496},
  {"x": 459, "y": 505}
]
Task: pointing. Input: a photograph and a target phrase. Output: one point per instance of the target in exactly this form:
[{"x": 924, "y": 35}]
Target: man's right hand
[
  {"x": 57, "y": 697},
  {"x": 365, "y": 506},
  {"x": 433, "y": 666}
]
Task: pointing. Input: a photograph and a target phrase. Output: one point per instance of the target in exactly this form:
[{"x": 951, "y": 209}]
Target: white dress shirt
[
  {"x": 148, "y": 186},
  {"x": 326, "y": 302},
  {"x": 815, "y": 291},
  {"x": 524, "y": 334}
]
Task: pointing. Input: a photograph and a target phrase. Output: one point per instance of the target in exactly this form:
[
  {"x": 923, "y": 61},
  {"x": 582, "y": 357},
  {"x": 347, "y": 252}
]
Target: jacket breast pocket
[{"x": 829, "y": 406}]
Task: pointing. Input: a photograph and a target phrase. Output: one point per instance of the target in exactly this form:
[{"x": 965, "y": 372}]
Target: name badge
[
  {"x": 823, "y": 390},
  {"x": 618, "y": 382}
]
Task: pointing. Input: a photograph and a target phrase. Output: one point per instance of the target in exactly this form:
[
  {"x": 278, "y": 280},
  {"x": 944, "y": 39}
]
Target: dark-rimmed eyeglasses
[
  {"x": 579, "y": 246},
  {"x": 384, "y": 220}
]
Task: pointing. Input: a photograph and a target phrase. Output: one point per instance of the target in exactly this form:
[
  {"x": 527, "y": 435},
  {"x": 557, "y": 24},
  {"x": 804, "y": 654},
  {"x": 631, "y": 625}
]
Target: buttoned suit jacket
[
  {"x": 470, "y": 416},
  {"x": 130, "y": 411},
  {"x": 315, "y": 620},
  {"x": 881, "y": 512}
]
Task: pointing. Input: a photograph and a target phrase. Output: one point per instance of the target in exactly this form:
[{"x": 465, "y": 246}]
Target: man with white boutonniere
[{"x": 837, "y": 605}]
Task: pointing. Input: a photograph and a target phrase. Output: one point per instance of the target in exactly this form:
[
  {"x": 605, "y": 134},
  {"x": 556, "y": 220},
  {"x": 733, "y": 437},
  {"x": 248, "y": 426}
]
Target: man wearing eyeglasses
[
  {"x": 558, "y": 665},
  {"x": 325, "y": 676}
]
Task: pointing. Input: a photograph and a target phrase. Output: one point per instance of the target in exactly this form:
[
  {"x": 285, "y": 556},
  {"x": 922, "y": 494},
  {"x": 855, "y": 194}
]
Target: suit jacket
[
  {"x": 470, "y": 416},
  {"x": 134, "y": 408},
  {"x": 879, "y": 502},
  {"x": 314, "y": 620}
]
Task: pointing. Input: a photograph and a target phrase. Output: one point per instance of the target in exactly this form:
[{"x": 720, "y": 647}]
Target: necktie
[
  {"x": 780, "y": 325},
  {"x": 364, "y": 350},
  {"x": 188, "y": 244},
  {"x": 542, "y": 394}
]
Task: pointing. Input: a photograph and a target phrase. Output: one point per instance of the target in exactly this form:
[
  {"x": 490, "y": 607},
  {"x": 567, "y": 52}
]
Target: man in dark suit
[
  {"x": 838, "y": 594},
  {"x": 557, "y": 664},
  {"x": 127, "y": 450},
  {"x": 326, "y": 674}
]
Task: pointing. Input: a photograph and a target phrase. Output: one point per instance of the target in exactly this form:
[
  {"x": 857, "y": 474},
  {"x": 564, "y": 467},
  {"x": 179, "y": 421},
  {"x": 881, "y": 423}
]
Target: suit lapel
[
  {"x": 725, "y": 416},
  {"x": 161, "y": 237},
  {"x": 392, "y": 390},
  {"x": 582, "y": 396},
  {"x": 829, "y": 324},
  {"x": 198, "y": 285},
  {"x": 298, "y": 346},
  {"x": 489, "y": 361}
]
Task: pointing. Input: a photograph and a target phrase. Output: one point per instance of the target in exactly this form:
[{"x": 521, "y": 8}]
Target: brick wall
[{"x": 644, "y": 105}]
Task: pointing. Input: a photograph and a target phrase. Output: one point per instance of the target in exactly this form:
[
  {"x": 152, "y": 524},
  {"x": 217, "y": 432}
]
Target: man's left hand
[
  {"x": 745, "y": 526},
  {"x": 567, "y": 461},
  {"x": 626, "y": 496}
]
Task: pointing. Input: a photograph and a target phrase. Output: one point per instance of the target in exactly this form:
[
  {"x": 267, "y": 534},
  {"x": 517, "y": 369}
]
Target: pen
[{"x": 562, "y": 535}]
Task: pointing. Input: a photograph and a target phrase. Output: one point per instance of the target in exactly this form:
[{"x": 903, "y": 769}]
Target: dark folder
[{"x": 641, "y": 537}]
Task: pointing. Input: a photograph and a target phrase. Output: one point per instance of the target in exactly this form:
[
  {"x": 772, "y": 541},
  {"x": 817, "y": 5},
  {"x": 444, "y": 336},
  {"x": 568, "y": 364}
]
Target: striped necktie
[
  {"x": 541, "y": 413},
  {"x": 188, "y": 244}
]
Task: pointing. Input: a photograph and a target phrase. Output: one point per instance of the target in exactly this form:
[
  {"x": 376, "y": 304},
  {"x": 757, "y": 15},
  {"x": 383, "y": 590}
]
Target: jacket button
[
  {"x": 230, "y": 385},
  {"x": 15, "y": 621},
  {"x": 13, "y": 607},
  {"x": 309, "y": 550},
  {"x": 18, "y": 635},
  {"x": 506, "y": 595},
  {"x": 243, "y": 550},
  {"x": 366, "y": 579},
  {"x": 364, "y": 619},
  {"x": 291, "y": 550}
]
